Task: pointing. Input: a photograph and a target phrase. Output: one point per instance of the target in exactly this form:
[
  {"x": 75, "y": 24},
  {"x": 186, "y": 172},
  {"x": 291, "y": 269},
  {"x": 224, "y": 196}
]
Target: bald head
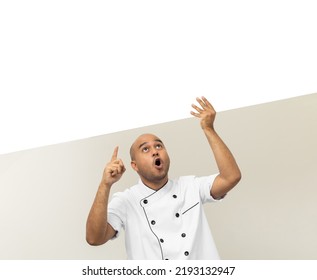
[{"x": 142, "y": 139}]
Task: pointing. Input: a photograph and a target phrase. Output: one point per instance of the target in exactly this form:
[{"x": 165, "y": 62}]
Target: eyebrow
[{"x": 156, "y": 140}]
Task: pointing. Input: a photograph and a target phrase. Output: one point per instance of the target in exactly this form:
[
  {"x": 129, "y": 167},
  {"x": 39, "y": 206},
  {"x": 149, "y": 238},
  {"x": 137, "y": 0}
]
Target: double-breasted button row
[
  {"x": 177, "y": 214},
  {"x": 145, "y": 201}
]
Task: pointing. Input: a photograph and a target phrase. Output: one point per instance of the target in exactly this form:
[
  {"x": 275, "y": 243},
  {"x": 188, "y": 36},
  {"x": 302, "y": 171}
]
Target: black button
[
  {"x": 145, "y": 201},
  {"x": 177, "y": 215},
  {"x": 183, "y": 234},
  {"x": 186, "y": 253},
  {"x": 153, "y": 222},
  {"x": 175, "y": 196},
  {"x": 161, "y": 240}
]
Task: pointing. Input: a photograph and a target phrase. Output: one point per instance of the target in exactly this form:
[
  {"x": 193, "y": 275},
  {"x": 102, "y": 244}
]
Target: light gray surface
[{"x": 46, "y": 193}]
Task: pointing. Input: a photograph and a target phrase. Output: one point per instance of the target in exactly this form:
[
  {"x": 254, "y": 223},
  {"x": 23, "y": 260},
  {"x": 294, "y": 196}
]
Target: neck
[{"x": 155, "y": 185}]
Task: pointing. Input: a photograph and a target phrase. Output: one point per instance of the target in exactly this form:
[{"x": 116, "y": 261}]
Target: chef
[{"x": 163, "y": 218}]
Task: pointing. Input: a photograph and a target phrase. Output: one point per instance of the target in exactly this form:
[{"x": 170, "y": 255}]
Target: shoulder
[
  {"x": 133, "y": 193},
  {"x": 185, "y": 184},
  {"x": 184, "y": 179},
  {"x": 196, "y": 180},
  {"x": 197, "y": 185},
  {"x": 122, "y": 195}
]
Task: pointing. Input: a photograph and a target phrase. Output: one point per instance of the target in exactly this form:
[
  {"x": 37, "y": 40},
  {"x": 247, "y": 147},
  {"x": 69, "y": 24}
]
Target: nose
[{"x": 155, "y": 153}]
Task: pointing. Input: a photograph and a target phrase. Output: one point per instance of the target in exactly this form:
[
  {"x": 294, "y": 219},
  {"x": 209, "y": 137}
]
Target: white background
[{"x": 75, "y": 69}]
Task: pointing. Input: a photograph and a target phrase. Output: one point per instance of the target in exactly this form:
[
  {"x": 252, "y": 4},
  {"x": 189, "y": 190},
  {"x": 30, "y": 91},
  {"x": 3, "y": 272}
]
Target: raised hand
[
  {"x": 206, "y": 113},
  {"x": 113, "y": 170},
  {"x": 98, "y": 231},
  {"x": 229, "y": 172}
]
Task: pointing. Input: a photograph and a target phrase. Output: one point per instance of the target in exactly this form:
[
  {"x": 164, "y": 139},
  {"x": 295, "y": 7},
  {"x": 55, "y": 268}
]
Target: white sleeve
[
  {"x": 116, "y": 213},
  {"x": 204, "y": 184}
]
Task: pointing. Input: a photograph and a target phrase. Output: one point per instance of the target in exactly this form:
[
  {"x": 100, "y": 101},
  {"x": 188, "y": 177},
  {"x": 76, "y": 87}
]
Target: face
[{"x": 150, "y": 160}]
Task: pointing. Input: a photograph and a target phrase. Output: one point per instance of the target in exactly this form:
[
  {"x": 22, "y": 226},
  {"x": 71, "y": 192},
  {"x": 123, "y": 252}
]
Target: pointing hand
[{"x": 113, "y": 170}]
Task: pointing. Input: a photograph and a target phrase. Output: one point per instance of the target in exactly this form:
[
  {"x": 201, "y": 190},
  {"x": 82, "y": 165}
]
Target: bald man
[{"x": 162, "y": 218}]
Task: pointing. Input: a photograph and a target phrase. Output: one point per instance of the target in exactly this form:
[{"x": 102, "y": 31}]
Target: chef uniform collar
[{"x": 153, "y": 195}]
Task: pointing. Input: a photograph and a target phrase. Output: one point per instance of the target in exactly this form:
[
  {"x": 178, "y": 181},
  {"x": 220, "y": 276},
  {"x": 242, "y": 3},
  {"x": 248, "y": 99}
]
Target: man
[{"x": 162, "y": 218}]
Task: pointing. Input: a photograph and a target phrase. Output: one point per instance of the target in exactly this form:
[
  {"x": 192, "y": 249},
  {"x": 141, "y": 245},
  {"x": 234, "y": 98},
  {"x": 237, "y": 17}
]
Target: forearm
[
  {"x": 98, "y": 231},
  {"x": 229, "y": 172},
  {"x": 96, "y": 227}
]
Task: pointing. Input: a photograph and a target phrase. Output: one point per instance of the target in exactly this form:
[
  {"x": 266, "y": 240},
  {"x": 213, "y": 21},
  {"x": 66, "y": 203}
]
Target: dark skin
[
  {"x": 229, "y": 172},
  {"x": 150, "y": 160}
]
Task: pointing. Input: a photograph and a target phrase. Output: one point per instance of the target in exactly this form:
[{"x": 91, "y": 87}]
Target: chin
[{"x": 161, "y": 178}]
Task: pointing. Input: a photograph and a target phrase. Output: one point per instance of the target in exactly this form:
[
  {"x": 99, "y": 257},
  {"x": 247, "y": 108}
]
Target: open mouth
[{"x": 158, "y": 162}]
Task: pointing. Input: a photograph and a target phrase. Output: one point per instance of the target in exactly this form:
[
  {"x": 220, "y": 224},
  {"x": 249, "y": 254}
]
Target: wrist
[
  {"x": 105, "y": 185},
  {"x": 209, "y": 129}
]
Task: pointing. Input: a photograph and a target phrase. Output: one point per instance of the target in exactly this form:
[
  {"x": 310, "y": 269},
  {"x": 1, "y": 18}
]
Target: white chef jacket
[{"x": 166, "y": 224}]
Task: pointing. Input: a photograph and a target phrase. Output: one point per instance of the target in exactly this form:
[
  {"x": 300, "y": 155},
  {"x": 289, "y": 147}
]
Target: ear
[{"x": 134, "y": 166}]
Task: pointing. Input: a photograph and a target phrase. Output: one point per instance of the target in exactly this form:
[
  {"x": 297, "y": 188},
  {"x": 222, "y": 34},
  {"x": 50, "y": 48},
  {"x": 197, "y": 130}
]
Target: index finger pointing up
[{"x": 115, "y": 153}]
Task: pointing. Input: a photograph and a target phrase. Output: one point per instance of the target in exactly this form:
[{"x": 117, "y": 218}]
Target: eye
[
  {"x": 158, "y": 146},
  {"x": 145, "y": 149}
]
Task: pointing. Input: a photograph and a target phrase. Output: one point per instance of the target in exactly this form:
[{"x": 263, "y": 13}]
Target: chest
[{"x": 166, "y": 213}]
